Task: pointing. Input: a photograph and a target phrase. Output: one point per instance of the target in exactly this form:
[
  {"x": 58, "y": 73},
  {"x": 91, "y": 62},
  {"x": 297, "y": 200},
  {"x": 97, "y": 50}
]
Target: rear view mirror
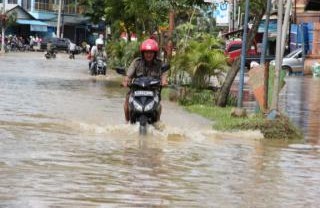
[
  {"x": 165, "y": 67},
  {"x": 120, "y": 70}
]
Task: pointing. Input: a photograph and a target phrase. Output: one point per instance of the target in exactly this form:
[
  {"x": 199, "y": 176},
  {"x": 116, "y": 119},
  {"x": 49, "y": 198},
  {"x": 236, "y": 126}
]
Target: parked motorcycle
[
  {"x": 100, "y": 66},
  {"x": 144, "y": 99}
]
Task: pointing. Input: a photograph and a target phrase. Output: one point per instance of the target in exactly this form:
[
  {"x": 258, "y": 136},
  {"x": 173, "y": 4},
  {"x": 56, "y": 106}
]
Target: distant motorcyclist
[
  {"x": 50, "y": 49},
  {"x": 146, "y": 65},
  {"x": 97, "y": 51}
]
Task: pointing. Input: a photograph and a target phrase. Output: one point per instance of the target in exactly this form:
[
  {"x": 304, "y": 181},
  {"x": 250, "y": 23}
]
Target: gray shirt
[{"x": 139, "y": 68}]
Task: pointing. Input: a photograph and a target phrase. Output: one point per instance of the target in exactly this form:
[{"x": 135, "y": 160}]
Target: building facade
[
  {"x": 74, "y": 25},
  {"x": 307, "y": 12}
]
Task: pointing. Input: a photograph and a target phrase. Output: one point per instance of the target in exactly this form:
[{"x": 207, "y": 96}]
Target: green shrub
[
  {"x": 122, "y": 53},
  {"x": 194, "y": 96}
]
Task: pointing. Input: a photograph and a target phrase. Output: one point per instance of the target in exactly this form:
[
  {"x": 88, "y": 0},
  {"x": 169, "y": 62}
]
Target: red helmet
[{"x": 149, "y": 45}]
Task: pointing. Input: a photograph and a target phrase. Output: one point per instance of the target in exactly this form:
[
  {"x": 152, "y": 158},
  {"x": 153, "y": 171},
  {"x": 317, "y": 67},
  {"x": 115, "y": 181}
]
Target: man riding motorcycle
[
  {"x": 97, "y": 51},
  {"x": 146, "y": 65},
  {"x": 50, "y": 50}
]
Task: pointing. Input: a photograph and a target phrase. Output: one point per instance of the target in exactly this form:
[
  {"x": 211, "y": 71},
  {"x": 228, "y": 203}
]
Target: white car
[{"x": 293, "y": 62}]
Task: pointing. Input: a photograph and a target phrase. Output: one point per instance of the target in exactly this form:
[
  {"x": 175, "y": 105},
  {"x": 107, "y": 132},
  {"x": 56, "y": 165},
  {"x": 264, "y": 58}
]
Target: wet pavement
[{"x": 64, "y": 143}]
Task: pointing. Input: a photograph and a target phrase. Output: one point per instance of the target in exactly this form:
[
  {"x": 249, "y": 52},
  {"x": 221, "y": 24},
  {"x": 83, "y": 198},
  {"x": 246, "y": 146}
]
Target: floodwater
[{"x": 64, "y": 143}]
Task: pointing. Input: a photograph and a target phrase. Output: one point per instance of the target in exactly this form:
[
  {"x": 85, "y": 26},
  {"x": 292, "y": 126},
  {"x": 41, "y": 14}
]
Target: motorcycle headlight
[
  {"x": 149, "y": 106},
  {"x": 137, "y": 106}
]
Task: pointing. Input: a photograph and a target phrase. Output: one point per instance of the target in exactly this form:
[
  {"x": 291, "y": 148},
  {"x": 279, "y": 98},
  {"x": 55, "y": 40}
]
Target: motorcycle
[
  {"x": 50, "y": 54},
  {"x": 100, "y": 67},
  {"x": 144, "y": 99}
]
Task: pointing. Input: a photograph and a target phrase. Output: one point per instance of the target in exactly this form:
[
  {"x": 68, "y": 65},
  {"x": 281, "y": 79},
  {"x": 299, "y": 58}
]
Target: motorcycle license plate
[{"x": 143, "y": 93}]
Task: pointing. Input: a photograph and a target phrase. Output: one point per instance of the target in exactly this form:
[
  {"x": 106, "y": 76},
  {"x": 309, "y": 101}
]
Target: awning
[
  {"x": 72, "y": 20},
  {"x": 35, "y": 25}
]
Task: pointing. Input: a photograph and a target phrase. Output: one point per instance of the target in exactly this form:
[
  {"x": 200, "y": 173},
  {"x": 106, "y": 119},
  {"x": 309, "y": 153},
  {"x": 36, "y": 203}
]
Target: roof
[
  {"x": 21, "y": 12},
  {"x": 9, "y": 6},
  {"x": 313, "y": 5}
]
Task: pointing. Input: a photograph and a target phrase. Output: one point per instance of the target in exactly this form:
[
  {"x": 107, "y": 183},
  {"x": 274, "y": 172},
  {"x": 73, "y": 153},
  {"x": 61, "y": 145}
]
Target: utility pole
[
  {"x": 62, "y": 20},
  {"x": 243, "y": 55},
  {"x": 285, "y": 28},
  {"x": 59, "y": 19},
  {"x": 263, "y": 55},
  {"x": 275, "y": 95},
  {"x": 234, "y": 16},
  {"x": 3, "y": 25},
  {"x": 265, "y": 34}
]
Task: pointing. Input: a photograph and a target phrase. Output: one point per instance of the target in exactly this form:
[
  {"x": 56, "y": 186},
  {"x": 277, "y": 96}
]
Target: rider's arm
[
  {"x": 130, "y": 73},
  {"x": 92, "y": 53}
]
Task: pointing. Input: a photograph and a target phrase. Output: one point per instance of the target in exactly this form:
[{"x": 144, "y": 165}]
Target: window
[
  {"x": 12, "y": 1},
  {"x": 299, "y": 55},
  {"x": 235, "y": 47},
  {"x": 44, "y": 5}
]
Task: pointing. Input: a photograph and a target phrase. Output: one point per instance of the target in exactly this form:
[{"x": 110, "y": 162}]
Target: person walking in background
[{"x": 72, "y": 50}]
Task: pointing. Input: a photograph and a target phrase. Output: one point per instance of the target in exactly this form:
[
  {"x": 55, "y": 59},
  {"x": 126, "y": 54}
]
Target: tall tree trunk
[
  {"x": 169, "y": 45},
  {"x": 128, "y": 33},
  {"x": 2, "y": 39},
  {"x": 232, "y": 73},
  {"x": 225, "y": 89}
]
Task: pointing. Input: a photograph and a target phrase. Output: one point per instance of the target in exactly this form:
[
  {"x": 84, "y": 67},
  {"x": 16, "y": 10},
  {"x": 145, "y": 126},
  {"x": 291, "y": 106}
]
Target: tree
[
  {"x": 257, "y": 10},
  {"x": 5, "y": 21},
  {"x": 135, "y": 15}
]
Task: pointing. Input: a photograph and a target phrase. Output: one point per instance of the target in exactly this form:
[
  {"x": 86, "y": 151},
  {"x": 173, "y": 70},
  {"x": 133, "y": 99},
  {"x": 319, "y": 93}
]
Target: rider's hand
[
  {"x": 125, "y": 81},
  {"x": 164, "y": 81}
]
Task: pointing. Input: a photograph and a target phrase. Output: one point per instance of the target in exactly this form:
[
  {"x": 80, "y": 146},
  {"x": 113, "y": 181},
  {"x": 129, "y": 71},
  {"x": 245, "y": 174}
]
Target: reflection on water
[
  {"x": 63, "y": 143},
  {"x": 300, "y": 100}
]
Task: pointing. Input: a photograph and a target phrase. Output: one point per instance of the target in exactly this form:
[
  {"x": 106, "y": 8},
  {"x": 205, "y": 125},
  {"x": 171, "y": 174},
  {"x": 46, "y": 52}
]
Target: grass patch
[
  {"x": 280, "y": 128},
  {"x": 165, "y": 93},
  {"x": 222, "y": 117}
]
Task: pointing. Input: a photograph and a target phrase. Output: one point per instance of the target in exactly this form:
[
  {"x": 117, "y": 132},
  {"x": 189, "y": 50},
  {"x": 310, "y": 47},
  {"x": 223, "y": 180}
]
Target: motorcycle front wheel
[
  {"x": 143, "y": 129},
  {"x": 143, "y": 125},
  {"x": 93, "y": 71}
]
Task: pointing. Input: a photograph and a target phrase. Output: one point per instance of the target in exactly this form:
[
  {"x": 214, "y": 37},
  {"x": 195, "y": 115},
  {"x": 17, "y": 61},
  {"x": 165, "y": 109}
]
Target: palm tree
[{"x": 201, "y": 59}]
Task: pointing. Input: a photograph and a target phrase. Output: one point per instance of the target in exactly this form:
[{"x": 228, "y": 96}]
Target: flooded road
[{"x": 63, "y": 143}]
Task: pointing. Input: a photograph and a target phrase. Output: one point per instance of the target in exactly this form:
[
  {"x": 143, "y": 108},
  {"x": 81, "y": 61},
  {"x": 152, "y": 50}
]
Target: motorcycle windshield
[{"x": 145, "y": 82}]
